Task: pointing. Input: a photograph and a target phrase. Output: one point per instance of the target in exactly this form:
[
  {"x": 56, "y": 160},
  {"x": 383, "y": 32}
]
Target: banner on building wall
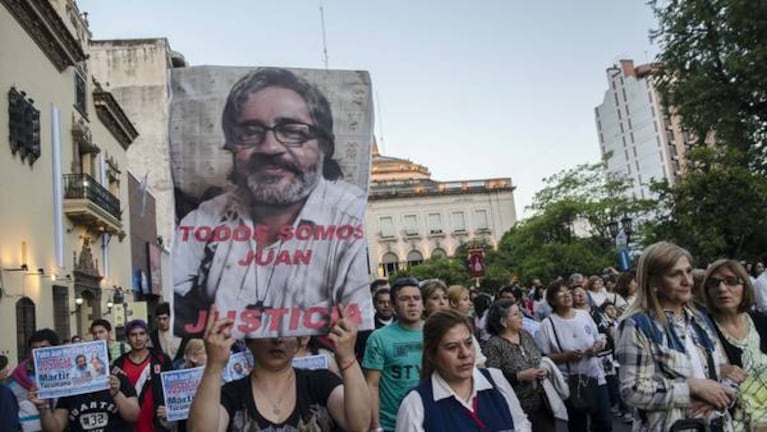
[
  {"x": 71, "y": 369},
  {"x": 154, "y": 255},
  {"x": 270, "y": 169}
]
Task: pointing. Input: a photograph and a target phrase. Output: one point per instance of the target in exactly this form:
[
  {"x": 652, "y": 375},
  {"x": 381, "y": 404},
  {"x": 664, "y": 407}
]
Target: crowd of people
[{"x": 665, "y": 346}]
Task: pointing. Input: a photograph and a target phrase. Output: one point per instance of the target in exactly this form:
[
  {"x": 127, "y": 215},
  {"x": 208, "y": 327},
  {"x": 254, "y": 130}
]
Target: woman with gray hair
[
  {"x": 668, "y": 352},
  {"x": 513, "y": 350},
  {"x": 729, "y": 298}
]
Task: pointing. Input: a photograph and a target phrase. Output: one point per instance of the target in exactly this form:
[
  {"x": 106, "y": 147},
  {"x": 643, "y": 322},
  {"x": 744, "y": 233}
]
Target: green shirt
[{"x": 396, "y": 353}]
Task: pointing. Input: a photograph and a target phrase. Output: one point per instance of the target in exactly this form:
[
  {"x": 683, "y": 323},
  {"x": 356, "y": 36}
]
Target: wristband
[{"x": 348, "y": 365}]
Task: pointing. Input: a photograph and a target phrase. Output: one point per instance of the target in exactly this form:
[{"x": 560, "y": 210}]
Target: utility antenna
[
  {"x": 379, "y": 121},
  {"x": 324, "y": 36}
]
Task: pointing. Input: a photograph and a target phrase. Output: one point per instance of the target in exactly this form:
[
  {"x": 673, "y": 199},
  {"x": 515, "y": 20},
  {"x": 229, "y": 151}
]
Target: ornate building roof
[{"x": 396, "y": 178}]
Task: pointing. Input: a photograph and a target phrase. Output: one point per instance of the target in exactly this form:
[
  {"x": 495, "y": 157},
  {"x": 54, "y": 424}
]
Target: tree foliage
[
  {"x": 714, "y": 70},
  {"x": 718, "y": 209},
  {"x": 713, "y": 73},
  {"x": 568, "y": 231}
]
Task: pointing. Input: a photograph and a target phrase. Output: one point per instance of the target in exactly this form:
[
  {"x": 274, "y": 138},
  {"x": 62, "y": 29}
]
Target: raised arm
[
  {"x": 206, "y": 413},
  {"x": 350, "y": 404}
]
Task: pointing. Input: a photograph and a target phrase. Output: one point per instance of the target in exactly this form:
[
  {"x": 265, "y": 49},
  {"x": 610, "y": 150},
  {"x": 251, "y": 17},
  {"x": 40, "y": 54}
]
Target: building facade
[
  {"x": 64, "y": 251},
  {"x": 411, "y": 218},
  {"x": 137, "y": 72},
  {"x": 643, "y": 136}
]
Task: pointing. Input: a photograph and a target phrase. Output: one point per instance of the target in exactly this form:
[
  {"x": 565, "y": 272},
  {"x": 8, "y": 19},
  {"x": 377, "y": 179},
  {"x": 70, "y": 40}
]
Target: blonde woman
[
  {"x": 459, "y": 299},
  {"x": 668, "y": 352}
]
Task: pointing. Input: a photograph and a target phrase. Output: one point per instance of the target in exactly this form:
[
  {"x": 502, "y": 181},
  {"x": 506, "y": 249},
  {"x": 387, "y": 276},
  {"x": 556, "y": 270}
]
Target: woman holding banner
[{"x": 299, "y": 397}]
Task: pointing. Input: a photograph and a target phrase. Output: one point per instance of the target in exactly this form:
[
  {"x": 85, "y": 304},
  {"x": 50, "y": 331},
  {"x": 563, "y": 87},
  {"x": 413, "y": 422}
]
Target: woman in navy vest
[{"x": 453, "y": 394}]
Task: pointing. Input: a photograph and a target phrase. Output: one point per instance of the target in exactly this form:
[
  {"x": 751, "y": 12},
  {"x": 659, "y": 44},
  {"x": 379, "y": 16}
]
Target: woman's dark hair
[
  {"x": 434, "y": 329},
  {"x": 552, "y": 291},
  {"x": 506, "y": 289},
  {"x": 623, "y": 282},
  {"x": 498, "y": 311},
  {"x": 481, "y": 302}
]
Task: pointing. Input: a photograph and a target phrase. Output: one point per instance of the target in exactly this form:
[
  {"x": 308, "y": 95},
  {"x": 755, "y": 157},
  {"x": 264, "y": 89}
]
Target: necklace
[{"x": 276, "y": 405}]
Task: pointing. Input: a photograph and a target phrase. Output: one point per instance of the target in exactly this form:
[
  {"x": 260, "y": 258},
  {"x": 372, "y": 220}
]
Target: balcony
[{"x": 89, "y": 203}]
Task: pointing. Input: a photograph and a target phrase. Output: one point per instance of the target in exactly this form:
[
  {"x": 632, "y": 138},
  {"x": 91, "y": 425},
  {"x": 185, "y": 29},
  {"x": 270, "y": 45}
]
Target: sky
[{"x": 471, "y": 89}]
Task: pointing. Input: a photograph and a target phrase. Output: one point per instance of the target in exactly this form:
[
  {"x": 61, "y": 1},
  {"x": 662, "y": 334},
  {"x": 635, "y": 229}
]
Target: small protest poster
[
  {"x": 319, "y": 361},
  {"x": 71, "y": 369},
  {"x": 239, "y": 366},
  {"x": 270, "y": 174},
  {"x": 179, "y": 387}
]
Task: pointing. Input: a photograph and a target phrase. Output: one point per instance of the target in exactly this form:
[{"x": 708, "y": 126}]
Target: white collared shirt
[{"x": 411, "y": 413}]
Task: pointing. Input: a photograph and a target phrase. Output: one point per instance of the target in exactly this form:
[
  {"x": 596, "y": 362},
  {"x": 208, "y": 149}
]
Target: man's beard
[{"x": 264, "y": 188}]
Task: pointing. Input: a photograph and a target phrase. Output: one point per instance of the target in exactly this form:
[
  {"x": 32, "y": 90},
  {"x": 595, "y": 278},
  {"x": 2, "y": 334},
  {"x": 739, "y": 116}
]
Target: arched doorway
[
  {"x": 25, "y": 325},
  {"x": 438, "y": 253},
  {"x": 414, "y": 258},
  {"x": 389, "y": 264}
]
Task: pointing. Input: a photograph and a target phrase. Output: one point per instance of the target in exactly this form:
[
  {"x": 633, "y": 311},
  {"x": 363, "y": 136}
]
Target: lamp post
[{"x": 621, "y": 233}]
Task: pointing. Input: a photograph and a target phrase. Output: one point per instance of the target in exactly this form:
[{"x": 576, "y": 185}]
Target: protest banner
[
  {"x": 73, "y": 369},
  {"x": 270, "y": 169},
  {"x": 319, "y": 361},
  {"x": 179, "y": 388}
]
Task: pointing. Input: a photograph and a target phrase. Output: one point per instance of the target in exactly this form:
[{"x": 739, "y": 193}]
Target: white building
[
  {"x": 411, "y": 217},
  {"x": 646, "y": 141}
]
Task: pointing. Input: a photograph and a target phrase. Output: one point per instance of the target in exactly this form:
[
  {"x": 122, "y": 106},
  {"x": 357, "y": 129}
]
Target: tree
[
  {"x": 568, "y": 231},
  {"x": 718, "y": 209},
  {"x": 713, "y": 69}
]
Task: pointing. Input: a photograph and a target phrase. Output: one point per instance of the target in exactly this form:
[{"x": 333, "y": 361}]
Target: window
[
  {"x": 438, "y": 253},
  {"x": 24, "y": 125},
  {"x": 389, "y": 264},
  {"x": 414, "y": 258},
  {"x": 459, "y": 221},
  {"x": 387, "y": 226},
  {"x": 25, "y": 325},
  {"x": 80, "y": 95},
  {"x": 61, "y": 310},
  {"x": 435, "y": 223},
  {"x": 411, "y": 225},
  {"x": 480, "y": 220}
]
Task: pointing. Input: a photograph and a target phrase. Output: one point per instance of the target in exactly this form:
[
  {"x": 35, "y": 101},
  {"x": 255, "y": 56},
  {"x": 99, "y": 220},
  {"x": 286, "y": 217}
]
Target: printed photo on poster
[
  {"x": 271, "y": 170},
  {"x": 318, "y": 361},
  {"x": 71, "y": 369}
]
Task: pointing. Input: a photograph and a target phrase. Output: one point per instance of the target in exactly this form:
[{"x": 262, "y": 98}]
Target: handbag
[{"x": 583, "y": 388}]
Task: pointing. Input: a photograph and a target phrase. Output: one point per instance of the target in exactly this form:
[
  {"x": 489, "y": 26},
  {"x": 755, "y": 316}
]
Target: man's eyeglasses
[
  {"x": 730, "y": 281},
  {"x": 289, "y": 133}
]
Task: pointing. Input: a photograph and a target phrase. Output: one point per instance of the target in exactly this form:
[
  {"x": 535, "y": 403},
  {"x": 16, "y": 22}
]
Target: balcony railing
[{"x": 83, "y": 186}]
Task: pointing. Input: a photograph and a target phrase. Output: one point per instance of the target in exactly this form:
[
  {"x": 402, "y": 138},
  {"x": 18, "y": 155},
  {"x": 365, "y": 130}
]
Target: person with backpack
[{"x": 667, "y": 349}]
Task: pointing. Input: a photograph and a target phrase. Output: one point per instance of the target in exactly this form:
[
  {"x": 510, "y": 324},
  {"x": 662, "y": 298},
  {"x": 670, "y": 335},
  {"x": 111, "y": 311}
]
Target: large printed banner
[
  {"x": 270, "y": 169},
  {"x": 71, "y": 369}
]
